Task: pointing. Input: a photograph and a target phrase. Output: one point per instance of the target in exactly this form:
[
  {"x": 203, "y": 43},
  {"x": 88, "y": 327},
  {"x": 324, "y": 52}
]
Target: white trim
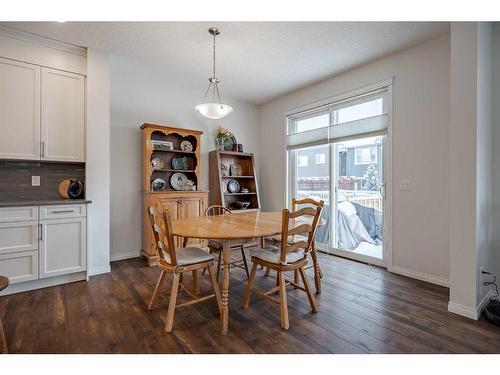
[
  {"x": 438, "y": 280},
  {"x": 470, "y": 312},
  {"x": 121, "y": 256},
  {"x": 44, "y": 283},
  {"x": 353, "y": 256},
  {"x": 42, "y": 41},
  {"x": 99, "y": 270},
  {"x": 343, "y": 95}
]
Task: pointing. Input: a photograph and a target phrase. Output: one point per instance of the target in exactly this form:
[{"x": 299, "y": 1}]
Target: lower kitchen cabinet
[
  {"x": 42, "y": 242},
  {"x": 63, "y": 246},
  {"x": 19, "y": 267}
]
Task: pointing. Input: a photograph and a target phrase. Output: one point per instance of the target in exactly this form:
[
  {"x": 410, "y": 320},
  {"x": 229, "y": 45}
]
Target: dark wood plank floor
[{"x": 363, "y": 309}]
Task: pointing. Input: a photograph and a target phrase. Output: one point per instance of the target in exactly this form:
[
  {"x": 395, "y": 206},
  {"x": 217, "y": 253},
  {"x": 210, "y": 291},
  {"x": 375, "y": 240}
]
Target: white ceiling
[{"x": 256, "y": 61}]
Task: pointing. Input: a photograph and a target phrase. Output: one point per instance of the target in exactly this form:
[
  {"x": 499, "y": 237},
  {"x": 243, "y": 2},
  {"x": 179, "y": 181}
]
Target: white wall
[
  {"x": 484, "y": 156},
  {"x": 147, "y": 93},
  {"x": 98, "y": 161},
  {"x": 420, "y": 150},
  {"x": 496, "y": 150}
]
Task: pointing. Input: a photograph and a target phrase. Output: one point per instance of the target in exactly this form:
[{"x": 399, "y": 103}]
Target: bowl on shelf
[{"x": 242, "y": 205}]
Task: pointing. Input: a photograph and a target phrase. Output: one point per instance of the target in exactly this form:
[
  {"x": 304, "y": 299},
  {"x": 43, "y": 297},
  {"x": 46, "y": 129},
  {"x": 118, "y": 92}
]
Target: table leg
[
  {"x": 226, "y": 256},
  {"x": 317, "y": 269}
]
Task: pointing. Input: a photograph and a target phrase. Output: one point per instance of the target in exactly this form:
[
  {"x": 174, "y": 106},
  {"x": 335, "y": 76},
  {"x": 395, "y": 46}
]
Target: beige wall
[
  {"x": 147, "y": 93},
  {"x": 420, "y": 150}
]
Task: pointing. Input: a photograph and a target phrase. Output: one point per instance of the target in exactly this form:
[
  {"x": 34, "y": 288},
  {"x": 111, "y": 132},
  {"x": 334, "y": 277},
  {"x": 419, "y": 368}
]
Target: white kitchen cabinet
[
  {"x": 63, "y": 246},
  {"x": 18, "y": 236},
  {"x": 19, "y": 267},
  {"x": 19, "y": 110},
  {"x": 62, "y": 116}
]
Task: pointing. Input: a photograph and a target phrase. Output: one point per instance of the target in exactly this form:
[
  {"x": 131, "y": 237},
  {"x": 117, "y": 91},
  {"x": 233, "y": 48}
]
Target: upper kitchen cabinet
[
  {"x": 62, "y": 116},
  {"x": 19, "y": 110}
]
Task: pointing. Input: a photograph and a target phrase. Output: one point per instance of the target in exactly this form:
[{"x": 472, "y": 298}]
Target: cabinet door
[
  {"x": 19, "y": 267},
  {"x": 171, "y": 205},
  {"x": 63, "y": 116},
  {"x": 19, "y": 110},
  {"x": 192, "y": 207},
  {"x": 18, "y": 236},
  {"x": 63, "y": 247}
]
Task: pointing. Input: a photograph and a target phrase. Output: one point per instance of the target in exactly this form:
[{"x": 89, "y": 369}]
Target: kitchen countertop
[{"x": 43, "y": 202}]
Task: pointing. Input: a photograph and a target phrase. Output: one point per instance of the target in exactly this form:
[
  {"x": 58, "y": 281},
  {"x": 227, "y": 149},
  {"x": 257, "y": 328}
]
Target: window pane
[
  {"x": 311, "y": 123},
  {"x": 360, "y": 111},
  {"x": 313, "y": 181}
]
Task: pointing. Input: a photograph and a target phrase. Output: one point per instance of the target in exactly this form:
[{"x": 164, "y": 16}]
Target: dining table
[{"x": 230, "y": 230}]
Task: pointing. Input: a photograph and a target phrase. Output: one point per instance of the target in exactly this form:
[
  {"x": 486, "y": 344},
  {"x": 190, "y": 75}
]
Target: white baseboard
[
  {"x": 44, "y": 283},
  {"x": 121, "y": 256},
  {"x": 467, "y": 311},
  {"x": 419, "y": 275},
  {"x": 99, "y": 270}
]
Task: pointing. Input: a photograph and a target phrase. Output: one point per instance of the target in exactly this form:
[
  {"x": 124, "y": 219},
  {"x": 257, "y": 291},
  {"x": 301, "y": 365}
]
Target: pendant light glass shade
[{"x": 214, "y": 111}]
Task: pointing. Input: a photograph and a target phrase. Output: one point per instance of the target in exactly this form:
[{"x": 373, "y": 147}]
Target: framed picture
[
  {"x": 179, "y": 162},
  {"x": 162, "y": 145},
  {"x": 235, "y": 170},
  {"x": 224, "y": 169}
]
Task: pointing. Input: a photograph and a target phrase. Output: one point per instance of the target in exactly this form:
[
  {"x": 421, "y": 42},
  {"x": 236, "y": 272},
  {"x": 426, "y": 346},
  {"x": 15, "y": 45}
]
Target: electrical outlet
[{"x": 35, "y": 180}]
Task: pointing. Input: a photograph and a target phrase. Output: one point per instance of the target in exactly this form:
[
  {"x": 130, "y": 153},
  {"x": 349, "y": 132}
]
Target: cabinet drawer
[
  {"x": 19, "y": 267},
  {"x": 62, "y": 211},
  {"x": 9, "y": 214},
  {"x": 18, "y": 236}
]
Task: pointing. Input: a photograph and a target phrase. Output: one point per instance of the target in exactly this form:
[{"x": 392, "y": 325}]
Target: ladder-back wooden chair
[
  {"x": 177, "y": 262},
  {"x": 318, "y": 274},
  {"x": 288, "y": 257},
  {"x": 216, "y": 247}
]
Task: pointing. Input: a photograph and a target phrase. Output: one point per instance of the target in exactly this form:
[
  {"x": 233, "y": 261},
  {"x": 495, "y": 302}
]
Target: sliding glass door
[{"x": 336, "y": 154}]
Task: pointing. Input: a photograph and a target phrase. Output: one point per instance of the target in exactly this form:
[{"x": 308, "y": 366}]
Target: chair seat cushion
[
  {"x": 189, "y": 255},
  {"x": 271, "y": 254}
]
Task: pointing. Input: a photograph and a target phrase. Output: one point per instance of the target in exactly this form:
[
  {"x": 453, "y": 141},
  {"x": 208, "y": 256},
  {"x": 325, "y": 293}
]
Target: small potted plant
[{"x": 220, "y": 138}]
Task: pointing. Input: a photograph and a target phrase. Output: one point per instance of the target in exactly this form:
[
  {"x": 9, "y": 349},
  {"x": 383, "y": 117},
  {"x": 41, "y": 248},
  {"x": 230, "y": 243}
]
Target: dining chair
[
  {"x": 287, "y": 257},
  {"x": 216, "y": 247},
  {"x": 4, "y": 283},
  {"x": 177, "y": 262},
  {"x": 318, "y": 274}
]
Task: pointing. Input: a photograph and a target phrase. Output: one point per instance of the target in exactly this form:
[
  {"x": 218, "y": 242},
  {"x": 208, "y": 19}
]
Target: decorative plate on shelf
[
  {"x": 233, "y": 186},
  {"x": 179, "y": 162},
  {"x": 157, "y": 163},
  {"x": 158, "y": 184},
  {"x": 229, "y": 143},
  {"x": 178, "y": 181},
  {"x": 186, "y": 146}
]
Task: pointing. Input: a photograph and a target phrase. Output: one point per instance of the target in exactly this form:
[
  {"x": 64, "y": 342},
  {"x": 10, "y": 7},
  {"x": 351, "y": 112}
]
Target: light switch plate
[
  {"x": 35, "y": 180},
  {"x": 404, "y": 185}
]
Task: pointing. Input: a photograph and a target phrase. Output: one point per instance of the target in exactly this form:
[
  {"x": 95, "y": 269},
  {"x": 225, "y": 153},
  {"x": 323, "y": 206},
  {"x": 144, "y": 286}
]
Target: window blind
[{"x": 362, "y": 115}]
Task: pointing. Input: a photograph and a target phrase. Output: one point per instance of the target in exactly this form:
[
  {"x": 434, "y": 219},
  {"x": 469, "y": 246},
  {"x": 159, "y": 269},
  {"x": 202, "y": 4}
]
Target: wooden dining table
[{"x": 230, "y": 230}]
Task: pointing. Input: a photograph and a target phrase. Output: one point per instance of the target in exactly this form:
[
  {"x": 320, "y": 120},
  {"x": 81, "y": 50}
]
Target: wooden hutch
[
  {"x": 181, "y": 204},
  {"x": 219, "y": 193}
]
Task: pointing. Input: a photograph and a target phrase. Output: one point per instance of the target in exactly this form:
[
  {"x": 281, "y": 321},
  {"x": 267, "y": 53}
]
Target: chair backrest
[
  {"x": 305, "y": 221},
  {"x": 161, "y": 236},
  {"x": 217, "y": 210}
]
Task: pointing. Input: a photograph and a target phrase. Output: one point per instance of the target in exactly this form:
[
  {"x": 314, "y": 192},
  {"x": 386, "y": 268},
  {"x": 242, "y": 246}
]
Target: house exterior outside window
[
  {"x": 302, "y": 161},
  {"x": 365, "y": 155},
  {"x": 320, "y": 158}
]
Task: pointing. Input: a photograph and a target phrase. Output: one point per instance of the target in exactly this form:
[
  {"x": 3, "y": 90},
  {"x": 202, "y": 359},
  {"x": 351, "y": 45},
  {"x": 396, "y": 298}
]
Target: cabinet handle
[
  {"x": 41, "y": 232},
  {"x": 43, "y": 149},
  {"x": 62, "y": 212}
]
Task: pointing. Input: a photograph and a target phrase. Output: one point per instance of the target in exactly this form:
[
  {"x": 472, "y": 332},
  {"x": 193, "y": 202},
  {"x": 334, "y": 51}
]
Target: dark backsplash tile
[{"x": 15, "y": 179}]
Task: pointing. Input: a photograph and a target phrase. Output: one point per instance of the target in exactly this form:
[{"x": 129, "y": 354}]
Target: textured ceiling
[{"x": 256, "y": 61}]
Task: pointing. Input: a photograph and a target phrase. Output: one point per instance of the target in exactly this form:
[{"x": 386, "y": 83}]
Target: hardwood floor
[{"x": 363, "y": 309}]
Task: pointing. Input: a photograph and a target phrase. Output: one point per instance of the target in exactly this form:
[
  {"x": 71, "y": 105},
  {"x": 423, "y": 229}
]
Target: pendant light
[{"x": 215, "y": 109}]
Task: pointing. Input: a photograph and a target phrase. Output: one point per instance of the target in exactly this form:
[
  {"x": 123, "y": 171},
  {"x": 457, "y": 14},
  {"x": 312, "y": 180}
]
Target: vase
[{"x": 220, "y": 143}]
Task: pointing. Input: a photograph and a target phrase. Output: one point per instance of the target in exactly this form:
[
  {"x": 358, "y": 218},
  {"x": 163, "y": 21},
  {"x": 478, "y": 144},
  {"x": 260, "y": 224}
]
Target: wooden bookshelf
[{"x": 247, "y": 180}]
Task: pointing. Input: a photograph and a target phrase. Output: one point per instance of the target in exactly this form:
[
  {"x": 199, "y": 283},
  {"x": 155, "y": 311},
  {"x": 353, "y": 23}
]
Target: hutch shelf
[
  {"x": 219, "y": 192},
  {"x": 181, "y": 204}
]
